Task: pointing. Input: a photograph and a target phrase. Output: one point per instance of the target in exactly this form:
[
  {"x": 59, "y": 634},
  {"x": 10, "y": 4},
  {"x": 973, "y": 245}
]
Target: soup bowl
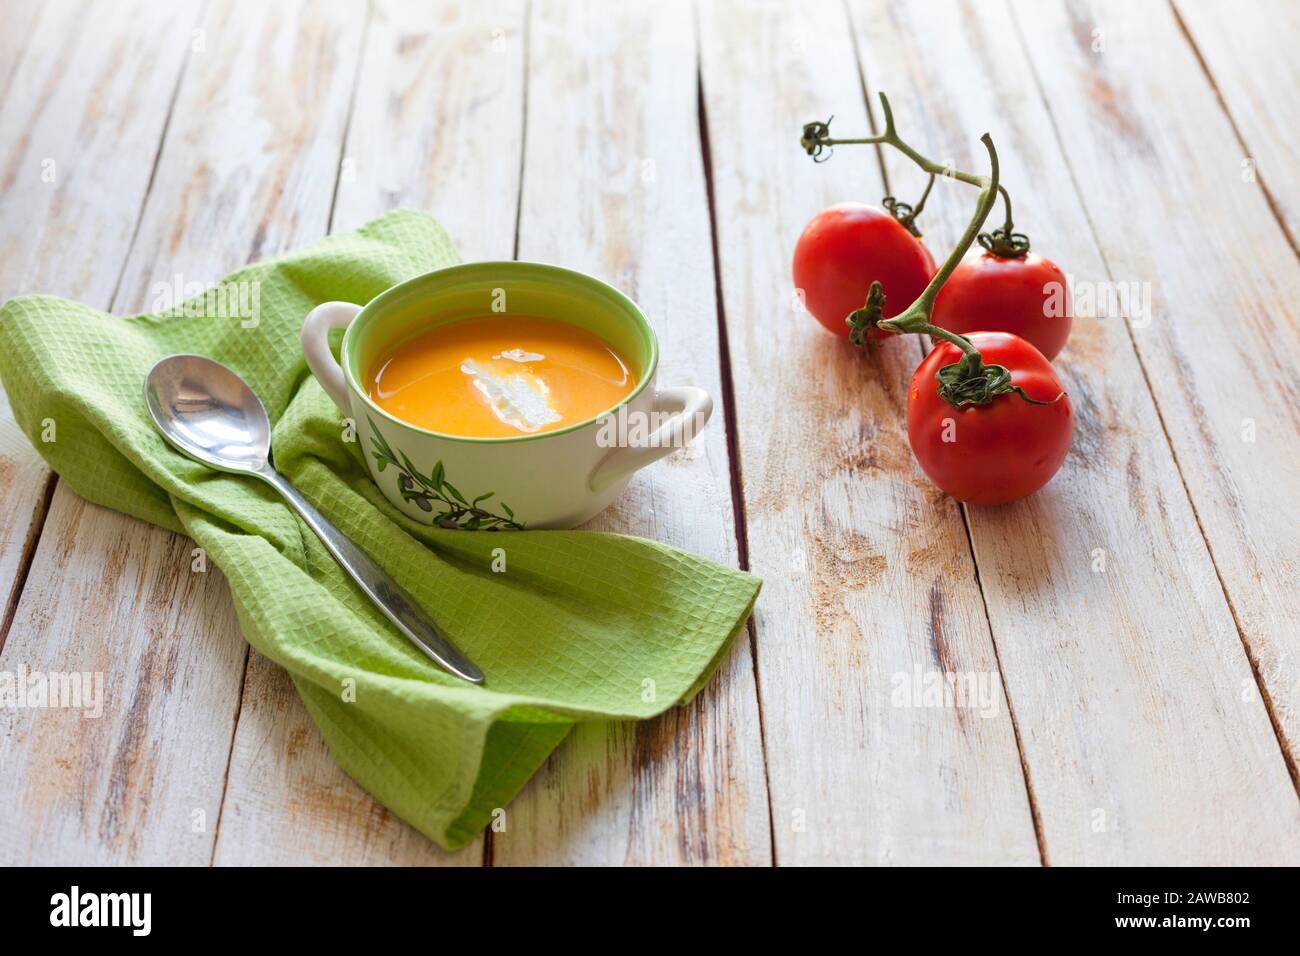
[{"x": 550, "y": 479}]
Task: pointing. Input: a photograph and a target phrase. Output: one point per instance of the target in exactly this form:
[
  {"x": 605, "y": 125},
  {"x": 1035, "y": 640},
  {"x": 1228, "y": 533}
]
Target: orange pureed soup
[{"x": 500, "y": 376}]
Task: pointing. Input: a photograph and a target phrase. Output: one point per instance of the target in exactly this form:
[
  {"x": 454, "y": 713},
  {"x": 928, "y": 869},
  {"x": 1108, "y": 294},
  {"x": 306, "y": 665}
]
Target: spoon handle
[{"x": 399, "y": 607}]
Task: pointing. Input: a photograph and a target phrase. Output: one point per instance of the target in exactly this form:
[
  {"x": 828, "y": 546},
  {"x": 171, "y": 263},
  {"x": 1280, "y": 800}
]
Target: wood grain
[
  {"x": 71, "y": 189},
  {"x": 614, "y": 185},
  {"x": 1249, "y": 50},
  {"x": 1225, "y": 334},
  {"x": 437, "y": 120},
  {"x": 246, "y": 169},
  {"x": 79, "y": 130},
  {"x": 288, "y": 803},
  {"x": 1124, "y": 755},
  {"x": 21, "y": 17},
  {"x": 71, "y": 192},
  {"x": 113, "y": 596},
  {"x": 1156, "y": 702},
  {"x": 869, "y": 580}
]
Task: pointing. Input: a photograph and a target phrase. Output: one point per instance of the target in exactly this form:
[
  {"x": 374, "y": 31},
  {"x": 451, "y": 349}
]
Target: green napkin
[{"x": 579, "y": 626}]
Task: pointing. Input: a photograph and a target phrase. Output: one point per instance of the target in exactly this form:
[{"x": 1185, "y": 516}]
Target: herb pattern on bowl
[{"x": 426, "y": 492}]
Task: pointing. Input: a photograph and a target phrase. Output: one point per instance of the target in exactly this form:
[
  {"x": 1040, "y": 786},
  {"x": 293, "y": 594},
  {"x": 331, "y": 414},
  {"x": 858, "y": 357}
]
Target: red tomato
[
  {"x": 994, "y": 453},
  {"x": 844, "y": 249},
  {"x": 1027, "y": 297}
]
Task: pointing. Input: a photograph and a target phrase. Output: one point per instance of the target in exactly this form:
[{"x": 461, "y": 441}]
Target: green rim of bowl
[{"x": 579, "y": 281}]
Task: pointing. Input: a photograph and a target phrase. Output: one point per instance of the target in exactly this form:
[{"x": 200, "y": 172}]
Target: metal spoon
[{"x": 209, "y": 413}]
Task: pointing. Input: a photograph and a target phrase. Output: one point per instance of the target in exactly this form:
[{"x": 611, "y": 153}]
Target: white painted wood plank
[
  {"x": 869, "y": 578},
  {"x": 436, "y": 123},
  {"x": 70, "y": 196},
  {"x": 24, "y": 489},
  {"x": 21, "y": 17},
  {"x": 249, "y": 165},
  {"x": 112, "y": 596},
  {"x": 1225, "y": 282},
  {"x": 65, "y": 217},
  {"x": 1109, "y": 618},
  {"x": 79, "y": 130},
  {"x": 288, "y": 803},
  {"x": 1249, "y": 49},
  {"x": 614, "y": 185},
  {"x": 247, "y": 168}
]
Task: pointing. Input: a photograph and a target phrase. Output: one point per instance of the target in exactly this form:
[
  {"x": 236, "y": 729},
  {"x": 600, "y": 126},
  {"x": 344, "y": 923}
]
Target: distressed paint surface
[{"x": 655, "y": 146}]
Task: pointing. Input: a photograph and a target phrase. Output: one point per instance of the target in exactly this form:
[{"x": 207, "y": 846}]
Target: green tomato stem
[
  {"x": 916, "y": 318},
  {"x": 1005, "y": 243},
  {"x": 968, "y": 381},
  {"x": 963, "y": 343},
  {"x": 906, "y": 213},
  {"x": 1008, "y": 227}
]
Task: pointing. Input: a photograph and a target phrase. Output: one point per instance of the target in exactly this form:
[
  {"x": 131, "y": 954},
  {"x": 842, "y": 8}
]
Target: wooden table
[{"x": 1138, "y": 621}]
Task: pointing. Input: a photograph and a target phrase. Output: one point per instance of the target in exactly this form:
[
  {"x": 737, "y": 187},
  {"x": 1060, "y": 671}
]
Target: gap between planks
[
  {"x": 144, "y": 201},
  {"x": 728, "y": 399},
  {"x": 347, "y": 121},
  {"x": 329, "y": 226},
  {"x": 1034, "y": 812},
  {"x": 541, "y": 143},
  {"x": 526, "y": 42},
  {"x": 29, "y": 553},
  {"x": 526, "y": 39}
]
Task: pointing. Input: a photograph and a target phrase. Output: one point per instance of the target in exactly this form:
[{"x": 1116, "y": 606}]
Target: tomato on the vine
[
  {"x": 844, "y": 249},
  {"x": 987, "y": 418},
  {"x": 1000, "y": 451},
  {"x": 1025, "y": 295}
]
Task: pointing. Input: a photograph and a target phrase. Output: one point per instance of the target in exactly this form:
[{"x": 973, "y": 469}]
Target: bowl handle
[
  {"x": 689, "y": 411},
  {"x": 316, "y": 348}
]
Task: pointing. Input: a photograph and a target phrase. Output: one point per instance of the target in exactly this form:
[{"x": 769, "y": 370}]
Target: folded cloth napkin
[{"x": 580, "y": 625}]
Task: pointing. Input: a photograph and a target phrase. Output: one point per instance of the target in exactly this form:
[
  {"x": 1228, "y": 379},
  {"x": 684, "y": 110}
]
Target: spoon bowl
[{"x": 209, "y": 413}]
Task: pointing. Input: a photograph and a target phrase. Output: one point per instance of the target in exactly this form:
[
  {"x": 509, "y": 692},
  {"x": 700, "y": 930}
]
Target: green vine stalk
[{"x": 968, "y": 381}]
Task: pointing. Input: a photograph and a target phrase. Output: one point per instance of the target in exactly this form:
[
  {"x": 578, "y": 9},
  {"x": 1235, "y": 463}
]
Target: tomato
[
  {"x": 994, "y": 453},
  {"x": 1027, "y": 297},
  {"x": 847, "y": 246}
]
